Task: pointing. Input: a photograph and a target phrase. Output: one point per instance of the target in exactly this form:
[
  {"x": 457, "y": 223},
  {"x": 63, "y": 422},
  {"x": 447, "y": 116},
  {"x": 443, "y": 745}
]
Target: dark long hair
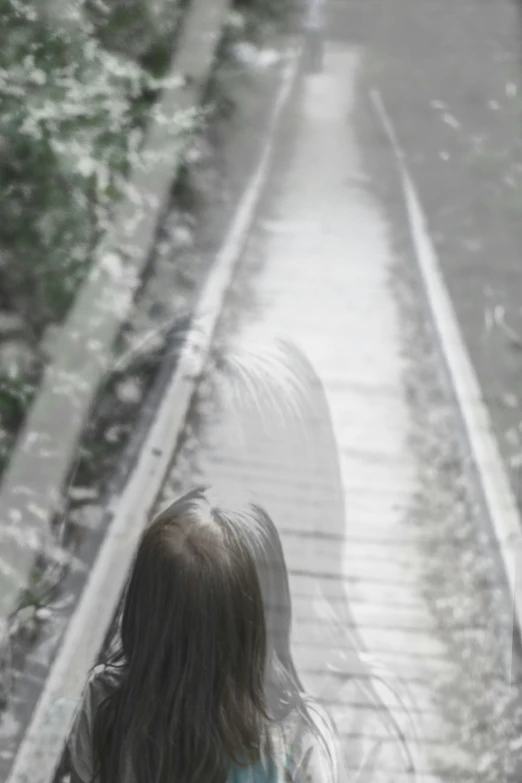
[
  {"x": 189, "y": 700},
  {"x": 284, "y": 691}
]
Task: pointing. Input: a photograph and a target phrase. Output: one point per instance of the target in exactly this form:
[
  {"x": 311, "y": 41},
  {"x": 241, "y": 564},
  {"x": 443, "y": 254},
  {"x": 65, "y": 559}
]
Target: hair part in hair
[{"x": 285, "y": 695}]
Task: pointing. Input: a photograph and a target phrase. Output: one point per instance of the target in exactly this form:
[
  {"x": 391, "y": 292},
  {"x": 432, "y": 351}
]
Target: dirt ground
[{"x": 450, "y": 75}]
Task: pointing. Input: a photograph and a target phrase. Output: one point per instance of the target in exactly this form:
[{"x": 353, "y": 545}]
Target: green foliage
[
  {"x": 74, "y": 102},
  {"x": 15, "y": 396},
  {"x": 78, "y": 79},
  {"x": 71, "y": 128},
  {"x": 71, "y": 122},
  {"x": 263, "y": 10},
  {"x": 255, "y": 22},
  {"x": 143, "y": 30}
]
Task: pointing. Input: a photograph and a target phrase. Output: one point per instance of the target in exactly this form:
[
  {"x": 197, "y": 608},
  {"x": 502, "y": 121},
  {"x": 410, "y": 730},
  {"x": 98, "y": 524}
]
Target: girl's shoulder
[
  {"x": 310, "y": 744},
  {"x": 105, "y": 677},
  {"x": 102, "y": 676},
  {"x": 100, "y": 684},
  {"x": 297, "y": 727}
]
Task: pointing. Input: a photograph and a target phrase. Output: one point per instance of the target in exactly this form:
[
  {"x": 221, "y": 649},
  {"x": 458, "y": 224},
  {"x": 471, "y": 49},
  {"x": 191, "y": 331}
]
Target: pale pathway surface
[{"x": 325, "y": 281}]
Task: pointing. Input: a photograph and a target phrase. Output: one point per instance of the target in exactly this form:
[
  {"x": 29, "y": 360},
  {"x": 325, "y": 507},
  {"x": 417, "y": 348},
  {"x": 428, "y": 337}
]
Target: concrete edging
[{"x": 498, "y": 496}]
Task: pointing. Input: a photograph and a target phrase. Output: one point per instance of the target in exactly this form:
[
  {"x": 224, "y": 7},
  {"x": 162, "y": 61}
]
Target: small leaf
[{"x": 86, "y": 166}]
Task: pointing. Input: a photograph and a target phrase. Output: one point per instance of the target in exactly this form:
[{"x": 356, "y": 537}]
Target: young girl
[{"x": 201, "y": 687}]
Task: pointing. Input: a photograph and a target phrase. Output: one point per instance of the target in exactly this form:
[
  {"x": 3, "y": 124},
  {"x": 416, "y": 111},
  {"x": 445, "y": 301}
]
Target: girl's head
[
  {"x": 194, "y": 598},
  {"x": 191, "y": 699}
]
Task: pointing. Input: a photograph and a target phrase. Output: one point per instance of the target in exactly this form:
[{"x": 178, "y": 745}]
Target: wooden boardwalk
[{"x": 324, "y": 280}]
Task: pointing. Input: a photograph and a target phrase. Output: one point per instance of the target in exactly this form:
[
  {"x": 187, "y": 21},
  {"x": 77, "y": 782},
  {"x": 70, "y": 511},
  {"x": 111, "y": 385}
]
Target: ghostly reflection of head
[{"x": 272, "y": 381}]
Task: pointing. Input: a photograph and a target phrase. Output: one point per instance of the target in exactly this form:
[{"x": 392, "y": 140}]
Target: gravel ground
[
  {"x": 460, "y": 588},
  {"x": 460, "y": 582},
  {"x": 451, "y": 77}
]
